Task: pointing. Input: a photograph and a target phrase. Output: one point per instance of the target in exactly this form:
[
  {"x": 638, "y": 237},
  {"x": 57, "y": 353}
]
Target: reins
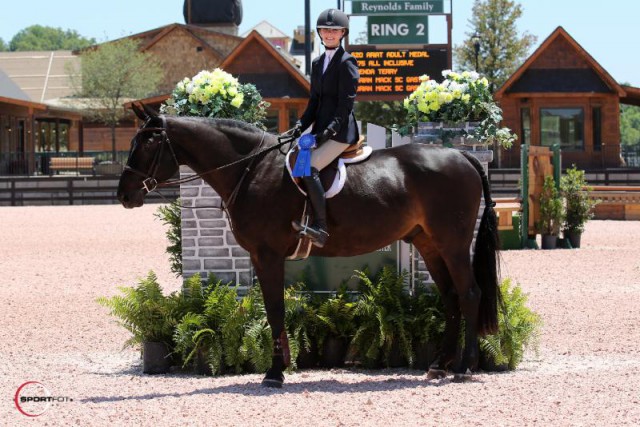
[{"x": 151, "y": 184}]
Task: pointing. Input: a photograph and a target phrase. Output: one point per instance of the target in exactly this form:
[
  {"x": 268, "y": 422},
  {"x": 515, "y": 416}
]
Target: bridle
[{"x": 150, "y": 182}]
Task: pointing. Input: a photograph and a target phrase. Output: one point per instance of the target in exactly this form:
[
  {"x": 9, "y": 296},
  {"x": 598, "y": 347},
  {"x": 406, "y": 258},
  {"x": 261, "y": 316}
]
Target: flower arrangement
[
  {"x": 217, "y": 94},
  {"x": 461, "y": 97}
]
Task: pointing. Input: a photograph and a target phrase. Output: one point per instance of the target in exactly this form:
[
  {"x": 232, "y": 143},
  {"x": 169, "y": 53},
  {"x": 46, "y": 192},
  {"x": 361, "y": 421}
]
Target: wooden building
[
  {"x": 562, "y": 95},
  {"x": 279, "y": 80}
]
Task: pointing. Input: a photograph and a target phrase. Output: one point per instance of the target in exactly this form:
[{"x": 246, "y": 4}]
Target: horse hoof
[
  {"x": 272, "y": 383},
  {"x": 436, "y": 374},
  {"x": 462, "y": 378}
]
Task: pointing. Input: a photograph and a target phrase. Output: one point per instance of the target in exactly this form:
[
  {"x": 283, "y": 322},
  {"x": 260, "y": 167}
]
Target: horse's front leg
[{"x": 269, "y": 268}]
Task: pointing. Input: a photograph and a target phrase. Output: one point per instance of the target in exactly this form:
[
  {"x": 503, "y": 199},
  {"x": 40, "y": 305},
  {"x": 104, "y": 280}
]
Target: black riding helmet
[{"x": 333, "y": 18}]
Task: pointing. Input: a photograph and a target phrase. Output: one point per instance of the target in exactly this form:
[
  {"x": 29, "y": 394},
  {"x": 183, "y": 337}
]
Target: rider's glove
[
  {"x": 295, "y": 131},
  {"x": 326, "y": 135}
]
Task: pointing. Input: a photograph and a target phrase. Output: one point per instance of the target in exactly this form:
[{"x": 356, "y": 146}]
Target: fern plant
[
  {"x": 335, "y": 317},
  {"x": 518, "y": 328},
  {"x": 257, "y": 343},
  {"x": 383, "y": 318},
  {"x": 201, "y": 328},
  {"x": 144, "y": 311},
  {"x": 299, "y": 318},
  {"x": 171, "y": 216},
  {"x": 428, "y": 320}
]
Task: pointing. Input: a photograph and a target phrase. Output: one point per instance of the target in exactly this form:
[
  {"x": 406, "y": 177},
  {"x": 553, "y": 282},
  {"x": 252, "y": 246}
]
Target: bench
[
  {"x": 505, "y": 208},
  {"x": 75, "y": 164}
]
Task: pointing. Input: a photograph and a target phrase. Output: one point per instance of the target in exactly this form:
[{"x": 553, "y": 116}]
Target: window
[
  {"x": 564, "y": 126},
  {"x": 525, "y": 125},
  {"x": 596, "y": 113}
]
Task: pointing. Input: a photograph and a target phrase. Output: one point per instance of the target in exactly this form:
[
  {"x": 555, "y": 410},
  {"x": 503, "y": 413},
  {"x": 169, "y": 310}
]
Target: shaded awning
[{"x": 632, "y": 96}]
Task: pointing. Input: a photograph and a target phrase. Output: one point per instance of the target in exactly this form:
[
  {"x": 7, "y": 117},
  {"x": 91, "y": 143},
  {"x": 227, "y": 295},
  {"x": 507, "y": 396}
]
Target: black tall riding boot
[{"x": 317, "y": 231}]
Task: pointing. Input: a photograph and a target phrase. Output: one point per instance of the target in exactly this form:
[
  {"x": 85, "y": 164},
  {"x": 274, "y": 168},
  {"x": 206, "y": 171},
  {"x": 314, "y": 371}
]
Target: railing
[
  {"x": 631, "y": 155},
  {"x": 69, "y": 190},
  {"x": 38, "y": 164}
]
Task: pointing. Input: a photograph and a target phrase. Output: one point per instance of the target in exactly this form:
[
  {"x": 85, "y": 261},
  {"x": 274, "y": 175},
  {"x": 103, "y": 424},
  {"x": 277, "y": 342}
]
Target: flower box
[{"x": 446, "y": 133}]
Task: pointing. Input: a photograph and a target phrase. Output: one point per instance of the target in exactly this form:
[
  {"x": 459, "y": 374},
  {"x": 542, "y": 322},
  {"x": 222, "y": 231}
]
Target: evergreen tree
[
  {"x": 110, "y": 75},
  {"x": 502, "y": 50},
  {"x": 38, "y": 37}
]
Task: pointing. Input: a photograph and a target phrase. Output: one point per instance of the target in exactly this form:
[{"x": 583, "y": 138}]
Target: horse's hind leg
[
  {"x": 440, "y": 273},
  {"x": 270, "y": 271}
]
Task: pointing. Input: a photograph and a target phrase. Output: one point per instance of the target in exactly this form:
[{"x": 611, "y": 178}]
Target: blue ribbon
[{"x": 303, "y": 162}]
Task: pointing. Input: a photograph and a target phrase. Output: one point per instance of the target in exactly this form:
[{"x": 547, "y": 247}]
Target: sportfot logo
[{"x": 33, "y": 399}]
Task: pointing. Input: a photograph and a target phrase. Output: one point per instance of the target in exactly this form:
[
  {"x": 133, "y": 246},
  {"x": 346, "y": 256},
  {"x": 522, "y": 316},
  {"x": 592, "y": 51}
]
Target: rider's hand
[
  {"x": 326, "y": 135},
  {"x": 295, "y": 131}
]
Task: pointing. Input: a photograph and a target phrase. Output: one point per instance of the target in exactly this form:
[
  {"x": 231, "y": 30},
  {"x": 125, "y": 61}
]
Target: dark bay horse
[{"x": 424, "y": 195}]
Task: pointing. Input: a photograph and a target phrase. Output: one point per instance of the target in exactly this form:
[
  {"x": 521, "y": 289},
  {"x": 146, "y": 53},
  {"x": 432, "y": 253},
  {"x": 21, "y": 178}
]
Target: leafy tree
[
  {"x": 3, "y": 46},
  {"x": 38, "y": 37},
  {"x": 381, "y": 113},
  {"x": 630, "y": 125},
  {"x": 111, "y": 74},
  {"x": 502, "y": 50}
]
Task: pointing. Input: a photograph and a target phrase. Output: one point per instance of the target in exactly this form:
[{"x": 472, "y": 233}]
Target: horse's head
[{"x": 151, "y": 159}]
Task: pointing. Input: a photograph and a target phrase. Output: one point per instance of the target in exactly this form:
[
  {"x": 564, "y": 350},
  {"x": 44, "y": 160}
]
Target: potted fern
[
  {"x": 383, "y": 317},
  {"x": 551, "y": 213},
  {"x": 579, "y": 206},
  {"x": 150, "y": 316},
  {"x": 518, "y": 328},
  {"x": 301, "y": 325},
  {"x": 335, "y": 328},
  {"x": 427, "y": 325}
]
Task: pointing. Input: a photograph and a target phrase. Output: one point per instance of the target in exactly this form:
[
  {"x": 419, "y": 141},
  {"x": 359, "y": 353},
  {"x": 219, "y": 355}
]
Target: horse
[{"x": 427, "y": 196}]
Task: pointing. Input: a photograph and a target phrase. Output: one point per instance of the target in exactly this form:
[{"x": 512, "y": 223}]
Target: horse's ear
[
  {"x": 150, "y": 111},
  {"x": 139, "y": 113}
]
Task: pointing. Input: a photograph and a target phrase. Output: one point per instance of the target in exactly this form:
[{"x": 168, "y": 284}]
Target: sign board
[
  {"x": 398, "y": 29},
  {"x": 404, "y": 7},
  {"x": 395, "y": 73},
  {"x": 327, "y": 274}
]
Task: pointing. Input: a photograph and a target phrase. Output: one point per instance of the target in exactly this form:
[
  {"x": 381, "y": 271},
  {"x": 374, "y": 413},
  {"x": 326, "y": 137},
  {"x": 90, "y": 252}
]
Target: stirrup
[{"x": 318, "y": 237}]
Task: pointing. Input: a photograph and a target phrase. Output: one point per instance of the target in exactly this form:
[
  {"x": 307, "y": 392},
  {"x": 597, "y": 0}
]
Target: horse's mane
[{"x": 226, "y": 123}]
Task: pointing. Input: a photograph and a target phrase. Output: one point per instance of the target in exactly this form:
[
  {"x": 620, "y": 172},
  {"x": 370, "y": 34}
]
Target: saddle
[{"x": 334, "y": 176}]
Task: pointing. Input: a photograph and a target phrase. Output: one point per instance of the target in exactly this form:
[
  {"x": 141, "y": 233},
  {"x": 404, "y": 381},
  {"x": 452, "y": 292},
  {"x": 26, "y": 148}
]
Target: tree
[
  {"x": 38, "y": 37},
  {"x": 382, "y": 113},
  {"x": 502, "y": 50},
  {"x": 630, "y": 125},
  {"x": 109, "y": 75},
  {"x": 3, "y": 46}
]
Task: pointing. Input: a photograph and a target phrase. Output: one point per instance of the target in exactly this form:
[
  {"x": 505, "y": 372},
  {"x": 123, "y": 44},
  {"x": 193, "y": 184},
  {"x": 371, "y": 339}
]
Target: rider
[{"x": 334, "y": 82}]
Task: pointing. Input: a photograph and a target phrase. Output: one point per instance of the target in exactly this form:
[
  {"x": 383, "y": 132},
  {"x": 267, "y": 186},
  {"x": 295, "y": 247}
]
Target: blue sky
[{"x": 602, "y": 30}]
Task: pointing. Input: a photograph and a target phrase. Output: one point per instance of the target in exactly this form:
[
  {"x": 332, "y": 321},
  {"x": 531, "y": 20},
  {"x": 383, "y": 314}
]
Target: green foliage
[
  {"x": 217, "y": 94},
  {"x": 38, "y": 37},
  {"x": 111, "y": 74},
  {"x": 579, "y": 206},
  {"x": 382, "y": 113},
  {"x": 335, "y": 317},
  {"x": 171, "y": 215},
  {"x": 551, "y": 209},
  {"x": 200, "y": 329},
  {"x": 518, "y": 327},
  {"x": 502, "y": 49},
  {"x": 3, "y": 46},
  {"x": 630, "y": 125},
  {"x": 427, "y": 321},
  {"x": 300, "y": 320},
  {"x": 461, "y": 97},
  {"x": 383, "y": 318},
  {"x": 257, "y": 343},
  {"x": 144, "y": 311}
]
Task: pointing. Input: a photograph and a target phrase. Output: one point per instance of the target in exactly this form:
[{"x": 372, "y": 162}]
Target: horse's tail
[{"x": 486, "y": 267}]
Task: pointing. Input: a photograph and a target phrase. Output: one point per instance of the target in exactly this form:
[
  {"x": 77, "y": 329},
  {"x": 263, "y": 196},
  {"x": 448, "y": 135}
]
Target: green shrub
[
  {"x": 171, "y": 216},
  {"x": 518, "y": 327},
  {"x": 579, "y": 206}
]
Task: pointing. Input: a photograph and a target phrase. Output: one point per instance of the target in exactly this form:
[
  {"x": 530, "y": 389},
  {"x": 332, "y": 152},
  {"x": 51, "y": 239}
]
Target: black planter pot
[
  {"x": 397, "y": 359},
  {"x": 574, "y": 238},
  {"x": 155, "y": 358},
  {"x": 487, "y": 364},
  {"x": 549, "y": 242},
  {"x": 308, "y": 359},
  {"x": 202, "y": 365},
  {"x": 425, "y": 355},
  {"x": 334, "y": 351}
]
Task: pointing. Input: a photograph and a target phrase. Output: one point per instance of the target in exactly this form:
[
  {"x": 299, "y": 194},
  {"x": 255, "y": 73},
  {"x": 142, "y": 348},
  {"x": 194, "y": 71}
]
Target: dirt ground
[{"x": 57, "y": 260}]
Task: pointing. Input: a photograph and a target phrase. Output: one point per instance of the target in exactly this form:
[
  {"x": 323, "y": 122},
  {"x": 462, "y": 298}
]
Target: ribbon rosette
[{"x": 302, "y": 167}]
